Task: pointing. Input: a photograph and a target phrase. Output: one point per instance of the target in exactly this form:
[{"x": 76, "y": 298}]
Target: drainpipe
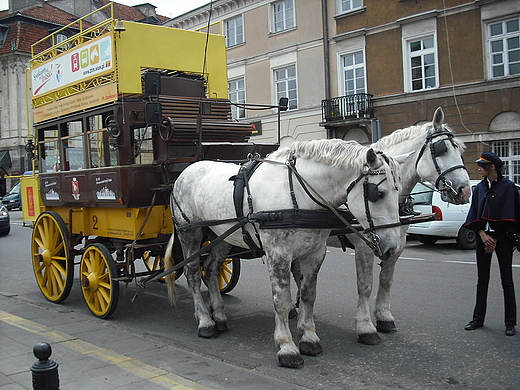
[{"x": 326, "y": 54}]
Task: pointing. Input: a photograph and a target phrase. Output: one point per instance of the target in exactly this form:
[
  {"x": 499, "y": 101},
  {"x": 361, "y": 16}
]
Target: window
[
  {"x": 509, "y": 152},
  {"x": 234, "y": 32},
  {"x": 353, "y": 68},
  {"x": 3, "y": 33},
  {"x": 60, "y": 38},
  {"x": 285, "y": 82},
  {"x": 237, "y": 94},
  {"x": 504, "y": 48},
  {"x": 283, "y": 15},
  {"x": 349, "y": 5},
  {"x": 421, "y": 64}
]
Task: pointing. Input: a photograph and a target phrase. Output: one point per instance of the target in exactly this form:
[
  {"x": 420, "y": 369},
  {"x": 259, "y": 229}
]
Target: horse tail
[{"x": 168, "y": 263}]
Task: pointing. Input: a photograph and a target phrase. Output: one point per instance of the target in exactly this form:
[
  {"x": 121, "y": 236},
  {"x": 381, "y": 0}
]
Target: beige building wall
[{"x": 264, "y": 51}]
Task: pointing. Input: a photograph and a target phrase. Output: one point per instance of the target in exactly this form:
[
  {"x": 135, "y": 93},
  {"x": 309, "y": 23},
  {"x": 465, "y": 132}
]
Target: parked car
[
  {"x": 451, "y": 218},
  {"x": 5, "y": 222},
  {"x": 12, "y": 200}
]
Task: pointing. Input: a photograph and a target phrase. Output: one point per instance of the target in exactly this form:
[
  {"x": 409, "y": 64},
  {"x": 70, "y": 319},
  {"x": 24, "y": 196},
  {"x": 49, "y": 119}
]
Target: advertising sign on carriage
[{"x": 89, "y": 60}]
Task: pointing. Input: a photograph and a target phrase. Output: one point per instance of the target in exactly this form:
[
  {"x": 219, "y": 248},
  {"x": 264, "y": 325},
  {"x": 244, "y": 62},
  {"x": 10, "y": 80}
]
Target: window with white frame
[
  {"x": 504, "y": 47},
  {"x": 283, "y": 15},
  {"x": 421, "y": 63},
  {"x": 509, "y": 152},
  {"x": 349, "y": 5},
  {"x": 237, "y": 94},
  {"x": 286, "y": 86},
  {"x": 234, "y": 31},
  {"x": 353, "y": 69}
]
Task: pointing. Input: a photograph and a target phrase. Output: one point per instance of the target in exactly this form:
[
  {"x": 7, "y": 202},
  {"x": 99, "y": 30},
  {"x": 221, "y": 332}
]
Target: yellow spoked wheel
[
  {"x": 229, "y": 273},
  {"x": 52, "y": 265},
  {"x": 157, "y": 264},
  {"x": 97, "y": 271}
]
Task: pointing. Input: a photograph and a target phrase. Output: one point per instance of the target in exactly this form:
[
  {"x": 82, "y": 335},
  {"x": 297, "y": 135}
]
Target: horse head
[
  {"x": 373, "y": 199},
  {"x": 440, "y": 161}
]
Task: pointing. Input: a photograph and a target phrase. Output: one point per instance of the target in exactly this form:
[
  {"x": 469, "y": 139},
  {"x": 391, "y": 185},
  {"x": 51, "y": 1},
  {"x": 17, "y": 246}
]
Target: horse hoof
[
  {"x": 310, "y": 349},
  {"x": 369, "y": 339},
  {"x": 208, "y": 333},
  {"x": 221, "y": 327},
  {"x": 290, "y": 361},
  {"x": 293, "y": 313},
  {"x": 386, "y": 326}
]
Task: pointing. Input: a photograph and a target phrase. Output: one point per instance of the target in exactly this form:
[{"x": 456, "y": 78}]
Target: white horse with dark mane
[
  {"x": 434, "y": 155},
  {"x": 307, "y": 176}
]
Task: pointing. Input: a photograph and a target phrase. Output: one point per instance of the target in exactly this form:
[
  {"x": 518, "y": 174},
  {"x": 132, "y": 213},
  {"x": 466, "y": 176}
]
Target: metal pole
[{"x": 44, "y": 371}]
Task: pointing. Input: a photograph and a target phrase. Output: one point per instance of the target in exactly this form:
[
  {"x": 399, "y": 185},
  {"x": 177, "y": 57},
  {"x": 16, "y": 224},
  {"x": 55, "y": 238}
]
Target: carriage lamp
[
  {"x": 113, "y": 130},
  {"x": 29, "y": 148}
]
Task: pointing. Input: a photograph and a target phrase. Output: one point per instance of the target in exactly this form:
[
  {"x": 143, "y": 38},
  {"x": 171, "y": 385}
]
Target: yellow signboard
[{"x": 91, "y": 98}]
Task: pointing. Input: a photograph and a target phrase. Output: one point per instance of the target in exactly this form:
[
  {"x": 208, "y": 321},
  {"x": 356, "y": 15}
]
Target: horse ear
[
  {"x": 371, "y": 157},
  {"x": 438, "y": 119}
]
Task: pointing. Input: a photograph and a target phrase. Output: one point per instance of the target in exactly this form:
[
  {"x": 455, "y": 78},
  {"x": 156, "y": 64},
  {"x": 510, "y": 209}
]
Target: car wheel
[
  {"x": 466, "y": 239},
  {"x": 427, "y": 240}
]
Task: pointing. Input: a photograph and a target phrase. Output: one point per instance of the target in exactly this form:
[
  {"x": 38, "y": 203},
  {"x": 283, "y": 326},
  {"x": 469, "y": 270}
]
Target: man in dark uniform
[{"x": 494, "y": 216}]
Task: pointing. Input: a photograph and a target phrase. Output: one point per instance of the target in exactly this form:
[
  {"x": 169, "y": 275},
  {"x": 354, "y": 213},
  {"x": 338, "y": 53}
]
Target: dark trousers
[{"x": 504, "y": 252}]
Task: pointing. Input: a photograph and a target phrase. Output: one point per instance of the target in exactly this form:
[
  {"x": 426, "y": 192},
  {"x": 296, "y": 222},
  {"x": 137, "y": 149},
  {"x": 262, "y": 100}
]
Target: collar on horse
[
  {"x": 437, "y": 149},
  {"x": 241, "y": 181}
]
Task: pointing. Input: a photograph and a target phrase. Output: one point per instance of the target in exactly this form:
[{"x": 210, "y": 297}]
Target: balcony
[{"x": 347, "y": 108}]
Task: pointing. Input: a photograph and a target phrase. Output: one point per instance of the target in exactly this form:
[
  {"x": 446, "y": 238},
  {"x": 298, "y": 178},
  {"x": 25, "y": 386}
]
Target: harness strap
[
  {"x": 291, "y": 162},
  {"x": 241, "y": 181}
]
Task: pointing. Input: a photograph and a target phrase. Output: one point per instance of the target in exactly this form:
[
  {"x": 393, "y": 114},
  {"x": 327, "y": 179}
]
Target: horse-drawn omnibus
[{"x": 119, "y": 110}]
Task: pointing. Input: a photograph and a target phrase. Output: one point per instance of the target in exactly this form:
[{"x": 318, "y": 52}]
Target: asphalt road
[{"x": 432, "y": 300}]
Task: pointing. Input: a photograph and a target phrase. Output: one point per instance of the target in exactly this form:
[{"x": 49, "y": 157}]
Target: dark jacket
[{"x": 499, "y": 205}]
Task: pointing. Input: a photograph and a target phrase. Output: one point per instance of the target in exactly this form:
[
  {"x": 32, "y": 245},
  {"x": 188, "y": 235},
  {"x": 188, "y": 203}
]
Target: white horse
[
  {"x": 434, "y": 155},
  {"x": 337, "y": 170}
]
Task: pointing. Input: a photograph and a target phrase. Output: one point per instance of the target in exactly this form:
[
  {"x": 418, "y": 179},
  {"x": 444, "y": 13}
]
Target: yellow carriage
[{"x": 119, "y": 110}]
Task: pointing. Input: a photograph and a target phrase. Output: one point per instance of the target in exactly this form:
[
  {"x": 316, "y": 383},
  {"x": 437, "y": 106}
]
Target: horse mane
[
  {"x": 411, "y": 132},
  {"x": 334, "y": 152}
]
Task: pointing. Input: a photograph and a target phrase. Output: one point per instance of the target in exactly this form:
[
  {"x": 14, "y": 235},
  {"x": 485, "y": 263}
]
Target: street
[{"x": 432, "y": 300}]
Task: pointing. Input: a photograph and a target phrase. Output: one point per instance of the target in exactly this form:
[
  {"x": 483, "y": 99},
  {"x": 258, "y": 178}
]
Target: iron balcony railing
[{"x": 347, "y": 107}]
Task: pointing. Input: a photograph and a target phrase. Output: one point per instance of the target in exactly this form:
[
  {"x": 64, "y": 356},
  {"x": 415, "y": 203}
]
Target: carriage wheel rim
[
  {"x": 50, "y": 257},
  {"x": 99, "y": 290}
]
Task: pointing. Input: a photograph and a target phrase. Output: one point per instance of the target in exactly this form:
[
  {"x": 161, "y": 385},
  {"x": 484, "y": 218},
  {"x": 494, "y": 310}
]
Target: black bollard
[{"x": 44, "y": 371}]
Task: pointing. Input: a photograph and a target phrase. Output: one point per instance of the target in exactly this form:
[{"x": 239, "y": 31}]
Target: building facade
[{"x": 359, "y": 69}]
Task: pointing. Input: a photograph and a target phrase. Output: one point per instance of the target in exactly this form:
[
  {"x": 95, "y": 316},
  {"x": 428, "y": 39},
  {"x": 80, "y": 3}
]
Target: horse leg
[
  {"x": 279, "y": 273},
  {"x": 212, "y": 267},
  {"x": 384, "y": 319},
  {"x": 365, "y": 329},
  {"x": 297, "y": 276},
  {"x": 190, "y": 241},
  {"x": 309, "y": 340}
]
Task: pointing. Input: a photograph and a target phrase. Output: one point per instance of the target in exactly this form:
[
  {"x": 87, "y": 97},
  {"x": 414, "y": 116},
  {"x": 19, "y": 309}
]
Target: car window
[
  {"x": 15, "y": 189},
  {"x": 421, "y": 195}
]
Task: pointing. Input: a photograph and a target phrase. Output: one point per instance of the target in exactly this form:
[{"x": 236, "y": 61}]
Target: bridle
[{"x": 437, "y": 149}]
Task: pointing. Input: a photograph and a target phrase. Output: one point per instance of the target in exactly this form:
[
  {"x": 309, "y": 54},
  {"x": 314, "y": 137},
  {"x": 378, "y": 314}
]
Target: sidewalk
[{"x": 91, "y": 355}]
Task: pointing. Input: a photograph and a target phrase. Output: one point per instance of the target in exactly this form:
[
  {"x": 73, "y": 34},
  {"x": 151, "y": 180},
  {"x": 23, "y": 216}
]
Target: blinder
[
  {"x": 439, "y": 148},
  {"x": 371, "y": 191}
]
